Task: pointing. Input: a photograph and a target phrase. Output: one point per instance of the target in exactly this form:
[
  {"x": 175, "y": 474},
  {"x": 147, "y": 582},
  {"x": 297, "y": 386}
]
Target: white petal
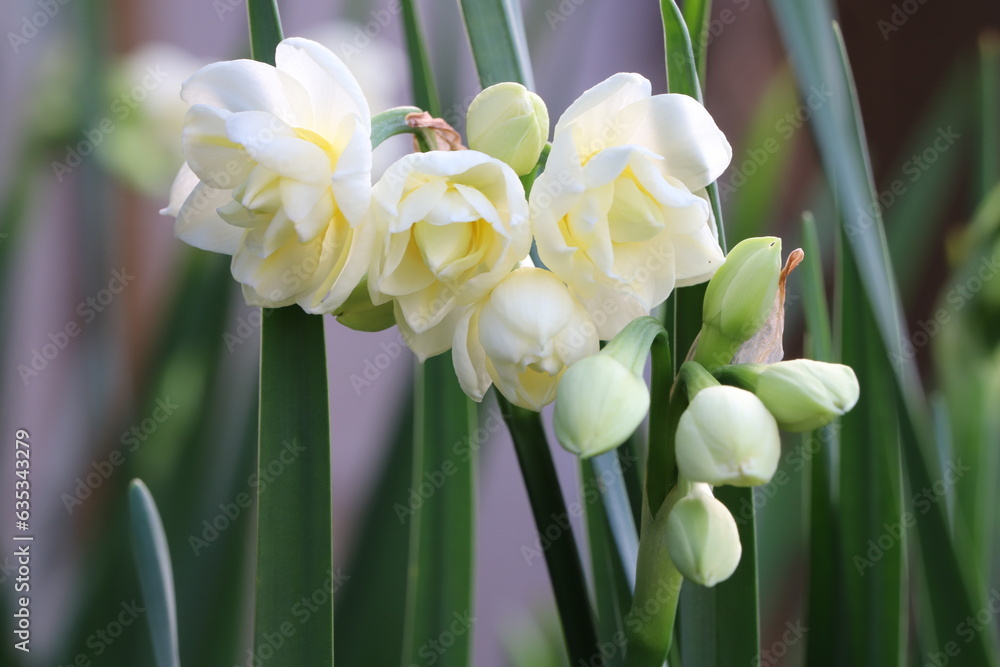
[
  {"x": 598, "y": 106},
  {"x": 468, "y": 356},
  {"x": 199, "y": 225},
  {"x": 333, "y": 90},
  {"x": 247, "y": 85},
  {"x": 432, "y": 342},
  {"x": 210, "y": 154},
  {"x": 276, "y": 146},
  {"x": 679, "y": 128},
  {"x": 184, "y": 183}
]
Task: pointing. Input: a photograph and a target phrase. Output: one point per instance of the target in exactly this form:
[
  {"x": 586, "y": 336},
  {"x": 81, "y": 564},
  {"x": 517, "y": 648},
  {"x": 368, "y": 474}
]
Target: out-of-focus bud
[
  {"x": 359, "y": 313},
  {"x": 599, "y": 404},
  {"x": 801, "y": 394},
  {"x": 509, "y": 122},
  {"x": 727, "y": 436},
  {"x": 739, "y": 298},
  {"x": 702, "y": 538}
]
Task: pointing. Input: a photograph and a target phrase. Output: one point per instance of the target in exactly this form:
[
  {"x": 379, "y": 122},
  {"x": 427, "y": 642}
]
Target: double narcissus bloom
[
  {"x": 278, "y": 174},
  {"x": 449, "y": 226},
  {"x": 620, "y": 212}
]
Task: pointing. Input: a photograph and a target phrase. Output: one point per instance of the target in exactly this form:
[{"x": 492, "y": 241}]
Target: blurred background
[{"x": 127, "y": 354}]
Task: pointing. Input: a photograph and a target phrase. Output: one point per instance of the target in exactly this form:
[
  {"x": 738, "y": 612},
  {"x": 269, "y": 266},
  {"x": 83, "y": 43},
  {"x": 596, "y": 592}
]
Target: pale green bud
[
  {"x": 727, "y": 436},
  {"x": 739, "y": 299},
  {"x": 803, "y": 394},
  {"x": 509, "y": 122},
  {"x": 702, "y": 538},
  {"x": 359, "y": 313},
  {"x": 599, "y": 404}
]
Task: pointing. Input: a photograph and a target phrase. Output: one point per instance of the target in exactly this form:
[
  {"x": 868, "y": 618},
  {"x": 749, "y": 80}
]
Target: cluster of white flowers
[{"x": 278, "y": 175}]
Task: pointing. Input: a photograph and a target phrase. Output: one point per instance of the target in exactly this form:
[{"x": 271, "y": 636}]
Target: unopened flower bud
[
  {"x": 727, "y": 436},
  {"x": 509, "y": 122},
  {"x": 359, "y": 313},
  {"x": 702, "y": 538},
  {"x": 801, "y": 394},
  {"x": 599, "y": 404},
  {"x": 739, "y": 299}
]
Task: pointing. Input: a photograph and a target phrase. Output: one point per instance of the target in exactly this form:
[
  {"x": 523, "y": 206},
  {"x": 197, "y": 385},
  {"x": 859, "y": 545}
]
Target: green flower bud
[
  {"x": 509, "y": 122},
  {"x": 739, "y": 299},
  {"x": 702, "y": 538},
  {"x": 359, "y": 313},
  {"x": 727, "y": 436},
  {"x": 803, "y": 394},
  {"x": 599, "y": 404}
]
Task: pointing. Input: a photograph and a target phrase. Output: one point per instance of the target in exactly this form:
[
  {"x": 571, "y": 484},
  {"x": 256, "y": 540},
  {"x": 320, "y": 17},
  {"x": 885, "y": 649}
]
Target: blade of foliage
[
  {"x": 697, "y": 15},
  {"x": 871, "y": 503},
  {"x": 294, "y": 522},
  {"x": 265, "y": 29},
  {"x": 496, "y": 35},
  {"x": 609, "y": 479},
  {"x": 152, "y": 559},
  {"x": 371, "y": 609},
  {"x": 823, "y": 604},
  {"x": 612, "y": 593},
  {"x": 421, "y": 74},
  {"x": 819, "y": 60},
  {"x": 442, "y": 536},
  {"x": 549, "y": 509}
]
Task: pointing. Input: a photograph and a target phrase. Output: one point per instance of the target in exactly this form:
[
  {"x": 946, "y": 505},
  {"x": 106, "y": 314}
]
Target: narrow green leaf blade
[
  {"x": 496, "y": 35},
  {"x": 294, "y": 523},
  {"x": 421, "y": 73},
  {"x": 265, "y": 29},
  {"x": 442, "y": 526},
  {"x": 152, "y": 559},
  {"x": 697, "y": 14}
]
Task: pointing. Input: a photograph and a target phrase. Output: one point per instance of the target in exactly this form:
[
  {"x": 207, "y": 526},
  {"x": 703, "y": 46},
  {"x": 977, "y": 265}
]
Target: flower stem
[{"x": 552, "y": 520}]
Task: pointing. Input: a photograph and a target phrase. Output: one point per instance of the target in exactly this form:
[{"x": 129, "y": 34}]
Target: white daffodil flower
[
  {"x": 278, "y": 174},
  {"x": 620, "y": 211},
  {"x": 449, "y": 225},
  {"x": 522, "y": 338}
]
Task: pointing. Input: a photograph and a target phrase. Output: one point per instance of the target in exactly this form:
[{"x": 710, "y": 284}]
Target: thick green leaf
[
  {"x": 152, "y": 559},
  {"x": 265, "y": 29},
  {"x": 823, "y": 606},
  {"x": 871, "y": 495},
  {"x": 820, "y": 63},
  {"x": 549, "y": 509},
  {"x": 440, "y": 508},
  {"x": 607, "y": 468},
  {"x": 697, "y": 15},
  {"x": 421, "y": 74},
  {"x": 371, "y": 609},
  {"x": 499, "y": 47},
  {"x": 294, "y": 522}
]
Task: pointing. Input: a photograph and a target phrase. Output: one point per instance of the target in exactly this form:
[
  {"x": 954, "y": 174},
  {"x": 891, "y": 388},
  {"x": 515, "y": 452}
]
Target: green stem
[{"x": 552, "y": 521}]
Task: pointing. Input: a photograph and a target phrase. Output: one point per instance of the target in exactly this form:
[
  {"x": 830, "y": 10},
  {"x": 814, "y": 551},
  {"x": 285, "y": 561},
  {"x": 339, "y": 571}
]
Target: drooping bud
[
  {"x": 509, "y": 122},
  {"x": 727, "y": 436},
  {"x": 599, "y": 404},
  {"x": 802, "y": 394},
  {"x": 702, "y": 538},
  {"x": 738, "y": 299}
]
